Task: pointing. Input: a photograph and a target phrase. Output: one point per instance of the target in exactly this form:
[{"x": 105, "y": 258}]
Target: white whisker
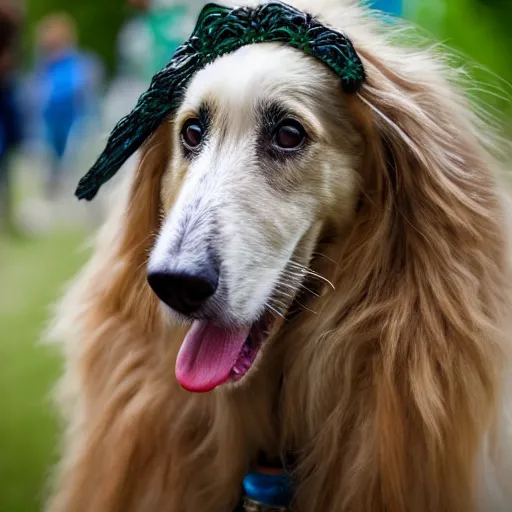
[
  {"x": 319, "y": 254},
  {"x": 275, "y": 311},
  {"x": 306, "y": 308},
  {"x": 311, "y": 273}
]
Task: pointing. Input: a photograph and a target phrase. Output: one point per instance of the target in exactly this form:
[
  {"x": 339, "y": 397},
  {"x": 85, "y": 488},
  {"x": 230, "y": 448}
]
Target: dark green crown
[{"x": 220, "y": 30}]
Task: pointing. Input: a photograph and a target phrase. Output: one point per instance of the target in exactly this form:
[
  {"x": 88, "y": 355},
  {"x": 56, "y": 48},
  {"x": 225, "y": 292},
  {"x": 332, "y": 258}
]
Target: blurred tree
[{"x": 98, "y": 23}]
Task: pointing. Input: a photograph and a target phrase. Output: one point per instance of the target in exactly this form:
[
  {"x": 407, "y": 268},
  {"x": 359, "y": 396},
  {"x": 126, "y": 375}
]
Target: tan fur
[{"x": 389, "y": 392}]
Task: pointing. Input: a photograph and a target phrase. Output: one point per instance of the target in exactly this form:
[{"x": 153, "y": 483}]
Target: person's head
[
  {"x": 56, "y": 33},
  {"x": 10, "y": 21}
]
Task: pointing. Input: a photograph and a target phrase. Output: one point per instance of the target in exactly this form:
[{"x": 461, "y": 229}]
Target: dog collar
[{"x": 219, "y": 31}]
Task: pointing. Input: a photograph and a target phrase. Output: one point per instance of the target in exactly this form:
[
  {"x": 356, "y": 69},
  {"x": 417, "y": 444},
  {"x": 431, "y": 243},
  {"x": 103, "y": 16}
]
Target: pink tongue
[{"x": 207, "y": 356}]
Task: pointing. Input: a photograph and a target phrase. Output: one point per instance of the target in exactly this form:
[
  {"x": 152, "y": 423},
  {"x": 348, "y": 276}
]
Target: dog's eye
[
  {"x": 192, "y": 133},
  {"x": 290, "y": 135}
]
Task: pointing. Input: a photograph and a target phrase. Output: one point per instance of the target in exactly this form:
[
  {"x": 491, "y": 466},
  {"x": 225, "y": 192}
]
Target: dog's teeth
[{"x": 236, "y": 371}]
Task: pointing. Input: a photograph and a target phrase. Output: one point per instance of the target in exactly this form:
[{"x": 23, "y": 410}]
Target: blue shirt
[{"x": 62, "y": 90}]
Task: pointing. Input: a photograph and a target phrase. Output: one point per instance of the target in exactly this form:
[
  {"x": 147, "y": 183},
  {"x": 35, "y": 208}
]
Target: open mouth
[{"x": 212, "y": 355}]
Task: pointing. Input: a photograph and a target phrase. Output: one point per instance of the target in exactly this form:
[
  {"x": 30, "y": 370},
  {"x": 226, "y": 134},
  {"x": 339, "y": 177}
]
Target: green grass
[{"x": 32, "y": 274}]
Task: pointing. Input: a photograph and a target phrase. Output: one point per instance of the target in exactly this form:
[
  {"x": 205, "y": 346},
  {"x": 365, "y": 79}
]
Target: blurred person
[
  {"x": 165, "y": 25},
  {"x": 10, "y": 118},
  {"x": 145, "y": 44},
  {"x": 65, "y": 90}
]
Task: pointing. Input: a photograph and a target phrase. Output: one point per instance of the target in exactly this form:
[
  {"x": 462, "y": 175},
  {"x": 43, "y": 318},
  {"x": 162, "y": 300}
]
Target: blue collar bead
[
  {"x": 219, "y": 31},
  {"x": 267, "y": 491}
]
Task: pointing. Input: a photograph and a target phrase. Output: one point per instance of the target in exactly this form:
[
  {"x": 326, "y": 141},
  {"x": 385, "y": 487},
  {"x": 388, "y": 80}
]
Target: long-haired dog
[{"x": 335, "y": 266}]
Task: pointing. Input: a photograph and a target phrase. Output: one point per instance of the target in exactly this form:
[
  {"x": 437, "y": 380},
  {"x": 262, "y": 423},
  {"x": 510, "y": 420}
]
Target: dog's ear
[
  {"x": 133, "y": 233},
  {"x": 108, "y": 324},
  {"x": 113, "y": 283},
  {"x": 431, "y": 174},
  {"x": 421, "y": 289},
  {"x": 439, "y": 278}
]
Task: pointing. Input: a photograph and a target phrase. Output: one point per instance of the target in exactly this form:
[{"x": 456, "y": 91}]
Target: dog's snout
[{"x": 185, "y": 291}]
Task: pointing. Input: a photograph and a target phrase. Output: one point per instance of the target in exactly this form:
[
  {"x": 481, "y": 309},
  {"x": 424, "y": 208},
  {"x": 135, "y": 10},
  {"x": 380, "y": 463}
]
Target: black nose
[{"x": 182, "y": 291}]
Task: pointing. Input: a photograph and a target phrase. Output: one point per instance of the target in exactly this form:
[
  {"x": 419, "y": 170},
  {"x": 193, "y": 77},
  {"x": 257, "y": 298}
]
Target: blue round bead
[{"x": 270, "y": 490}]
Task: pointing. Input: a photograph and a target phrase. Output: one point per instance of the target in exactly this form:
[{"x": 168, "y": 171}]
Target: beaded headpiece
[{"x": 219, "y": 31}]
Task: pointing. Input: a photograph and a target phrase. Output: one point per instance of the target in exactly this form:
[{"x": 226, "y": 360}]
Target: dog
[{"x": 292, "y": 270}]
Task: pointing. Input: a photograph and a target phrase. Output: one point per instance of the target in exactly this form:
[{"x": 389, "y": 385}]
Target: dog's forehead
[{"x": 261, "y": 72}]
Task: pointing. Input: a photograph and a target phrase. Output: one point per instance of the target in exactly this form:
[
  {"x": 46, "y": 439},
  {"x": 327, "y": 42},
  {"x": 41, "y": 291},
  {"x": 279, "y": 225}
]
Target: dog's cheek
[
  {"x": 339, "y": 188},
  {"x": 172, "y": 183}
]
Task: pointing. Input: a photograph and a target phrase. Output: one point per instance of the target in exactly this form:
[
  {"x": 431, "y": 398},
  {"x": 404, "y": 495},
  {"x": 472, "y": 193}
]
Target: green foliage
[
  {"x": 480, "y": 30},
  {"x": 98, "y": 23}
]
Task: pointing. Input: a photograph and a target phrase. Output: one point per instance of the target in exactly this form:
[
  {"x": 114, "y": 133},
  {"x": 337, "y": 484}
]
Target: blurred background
[{"x": 68, "y": 72}]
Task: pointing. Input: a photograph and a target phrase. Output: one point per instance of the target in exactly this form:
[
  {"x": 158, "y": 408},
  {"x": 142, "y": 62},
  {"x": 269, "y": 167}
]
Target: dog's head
[
  {"x": 266, "y": 164},
  {"x": 265, "y": 156}
]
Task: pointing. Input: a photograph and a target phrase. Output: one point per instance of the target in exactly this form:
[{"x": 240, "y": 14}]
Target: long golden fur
[{"x": 392, "y": 397}]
